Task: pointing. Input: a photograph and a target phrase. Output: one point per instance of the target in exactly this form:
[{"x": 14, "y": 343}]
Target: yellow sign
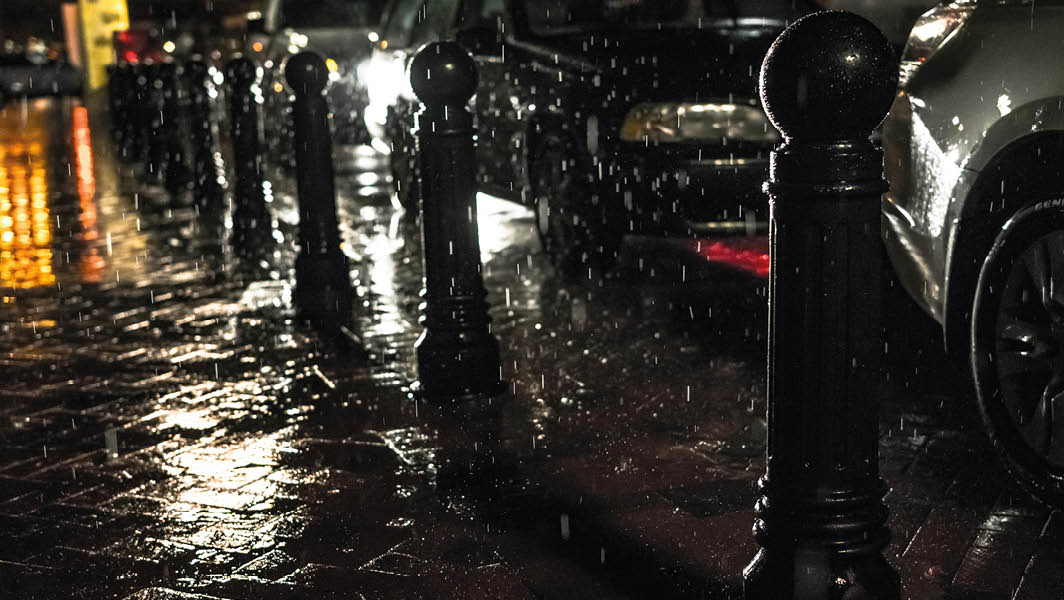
[{"x": 99, "y": 20}]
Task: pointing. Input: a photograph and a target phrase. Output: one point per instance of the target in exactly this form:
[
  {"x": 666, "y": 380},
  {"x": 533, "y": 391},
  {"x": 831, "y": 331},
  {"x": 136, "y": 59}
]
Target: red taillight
[{"x": 746, "y": 253}]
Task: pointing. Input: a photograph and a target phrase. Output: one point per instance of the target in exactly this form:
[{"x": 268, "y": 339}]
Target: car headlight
[
  {"x": 930, "y": 32},
  {"x": 705, "y": 122}
]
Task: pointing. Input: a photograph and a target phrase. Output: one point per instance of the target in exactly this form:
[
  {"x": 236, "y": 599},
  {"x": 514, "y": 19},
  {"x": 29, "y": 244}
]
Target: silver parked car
[{"x": 974, "y": 220}]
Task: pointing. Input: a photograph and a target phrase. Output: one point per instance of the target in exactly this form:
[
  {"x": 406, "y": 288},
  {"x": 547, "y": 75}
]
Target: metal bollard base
[
  {"x": 816, "y": 572},
  {"x": 458, "y": 365},
  {"x": 442, "y": 394},
  {"x": 451, "y": 368},
  {"x": 323, "y": 289}
]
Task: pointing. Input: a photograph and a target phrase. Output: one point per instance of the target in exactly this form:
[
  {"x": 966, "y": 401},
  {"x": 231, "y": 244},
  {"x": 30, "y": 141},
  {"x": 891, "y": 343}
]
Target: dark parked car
[
  {"x": 29, "y": 76},
  {"x": 614, "y": 117}
]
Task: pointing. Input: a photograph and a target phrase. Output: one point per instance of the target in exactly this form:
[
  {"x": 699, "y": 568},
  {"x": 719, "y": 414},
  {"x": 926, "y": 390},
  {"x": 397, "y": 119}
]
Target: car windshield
[
  {"x": 331, "y": 13},
  {"x": 400, "y": 22},
  {"x": 567, "y": 16},
  {"x": 434, "y": 20}
]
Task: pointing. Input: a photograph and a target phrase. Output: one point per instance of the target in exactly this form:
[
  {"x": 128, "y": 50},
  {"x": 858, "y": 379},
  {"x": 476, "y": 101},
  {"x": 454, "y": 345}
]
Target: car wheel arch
[{"x": 1014, "y": 177}]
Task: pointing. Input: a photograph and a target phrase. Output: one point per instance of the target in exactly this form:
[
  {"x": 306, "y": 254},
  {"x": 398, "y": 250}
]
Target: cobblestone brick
[{"x": 169, "y": 431}]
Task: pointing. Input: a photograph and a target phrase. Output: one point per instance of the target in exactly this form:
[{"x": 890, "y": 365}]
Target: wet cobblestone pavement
[{"x": 168, "y": 430}]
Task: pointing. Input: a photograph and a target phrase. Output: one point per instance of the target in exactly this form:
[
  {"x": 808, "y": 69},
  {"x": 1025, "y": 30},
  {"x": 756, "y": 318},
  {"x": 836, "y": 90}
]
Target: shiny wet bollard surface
[{"x": 164, "y": 428}]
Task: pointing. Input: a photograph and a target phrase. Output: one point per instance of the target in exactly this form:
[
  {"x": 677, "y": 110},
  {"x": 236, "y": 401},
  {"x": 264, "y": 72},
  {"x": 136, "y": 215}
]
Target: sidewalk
[{"x": 166, "y": 430}]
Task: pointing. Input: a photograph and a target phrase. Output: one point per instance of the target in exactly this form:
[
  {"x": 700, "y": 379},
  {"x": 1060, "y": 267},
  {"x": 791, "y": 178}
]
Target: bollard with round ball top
[
  {"x": 155, "y": 151},
  {"x": 826, "y": 83},
  {"x": 123, "y": 93},
  {"x": 457, "y": 355},
  {"x": 128, "y": 72},
  {"x": 323, "y": 281},
  {"x": 251, "y": 219},
  {"x": 115, "y": 100},
  {"x": 131, "y": 134},
  {"x": 175, "y": 171},
  {"x": 207, "y": 190},
  {"x": 143, "y": 111}
]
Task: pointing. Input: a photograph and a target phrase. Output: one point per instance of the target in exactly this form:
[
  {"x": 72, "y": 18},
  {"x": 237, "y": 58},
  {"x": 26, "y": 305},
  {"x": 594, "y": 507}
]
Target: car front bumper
[{"x": 676, "y": 191}]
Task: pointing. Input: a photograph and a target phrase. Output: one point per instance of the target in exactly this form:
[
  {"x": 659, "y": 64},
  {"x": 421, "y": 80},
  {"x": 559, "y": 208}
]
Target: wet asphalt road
[{"x": 166, "y": 425}]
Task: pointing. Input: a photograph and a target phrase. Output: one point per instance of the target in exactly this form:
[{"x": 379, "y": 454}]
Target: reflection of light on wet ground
[
  {"x": 286, "y": 208},
  {"x": 501, "y": 224},
  {"x": 202, "y": 419},
  {"x": 370, "y": 178},
  {"x": 91, "y": 264},
  {"x": 42, "y": 226},
  {"x": 496, "y": 221},
  {"x": 371, "y": 190},
  {"x": 83, "y": 160},
  {"x": 25, "y": 220},
  {"x": 212, "y": 481},
  {"x": 363, "y": 169},
  {"x": 261, "y": 294},
  {"x": 381, "y": 249},
  {"x": 125, "y": 244}
]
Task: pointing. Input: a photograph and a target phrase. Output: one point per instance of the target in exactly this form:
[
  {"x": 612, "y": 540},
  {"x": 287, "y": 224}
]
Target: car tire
[
  {"x": 1017, "y": 347},
  {"x": 578, "y": 227}
]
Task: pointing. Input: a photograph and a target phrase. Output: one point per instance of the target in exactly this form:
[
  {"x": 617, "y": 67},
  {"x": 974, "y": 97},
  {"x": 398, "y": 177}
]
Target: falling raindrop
[{"x": 110, "y": 437}]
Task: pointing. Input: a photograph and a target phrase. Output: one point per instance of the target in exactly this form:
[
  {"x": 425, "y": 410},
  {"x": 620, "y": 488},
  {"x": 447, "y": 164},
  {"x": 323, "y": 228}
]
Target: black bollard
[
  {"x": 323, "y": 281},
  {"x": 115, "y": 99},
  {"x": 127, "y": 90},
  {"x": 458, "y": 356},
  {"x": 123, "y": 96},
  {"x": 175, "y": 171},
  {"x": 826, "y": 83},
  {"x": 155, "y": 152},
  {"x": 138, "y": 114},
  {"x": 118, "y": 104},
  {"x": 208, "y": 195},
  {"x": 251, "y": 220}
]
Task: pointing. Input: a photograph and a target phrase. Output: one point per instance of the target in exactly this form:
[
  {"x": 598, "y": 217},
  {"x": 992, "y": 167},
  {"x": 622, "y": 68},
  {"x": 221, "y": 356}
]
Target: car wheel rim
[{"x": 1029, "y": 338}]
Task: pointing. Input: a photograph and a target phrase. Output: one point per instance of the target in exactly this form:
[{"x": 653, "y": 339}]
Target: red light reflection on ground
[
  {"x": 91, "y": 264},
  {"x": 746, "y": 253}
]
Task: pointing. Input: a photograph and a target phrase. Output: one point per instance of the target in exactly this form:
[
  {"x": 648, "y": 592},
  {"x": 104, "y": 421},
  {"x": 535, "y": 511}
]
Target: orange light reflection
[
  {"x": 25, "y": 221},
  {"x": 91, "y": 264}
]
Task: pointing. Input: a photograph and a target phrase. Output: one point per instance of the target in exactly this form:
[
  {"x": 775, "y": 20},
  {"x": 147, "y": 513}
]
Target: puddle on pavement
[{"x": 258, "y": 444}]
